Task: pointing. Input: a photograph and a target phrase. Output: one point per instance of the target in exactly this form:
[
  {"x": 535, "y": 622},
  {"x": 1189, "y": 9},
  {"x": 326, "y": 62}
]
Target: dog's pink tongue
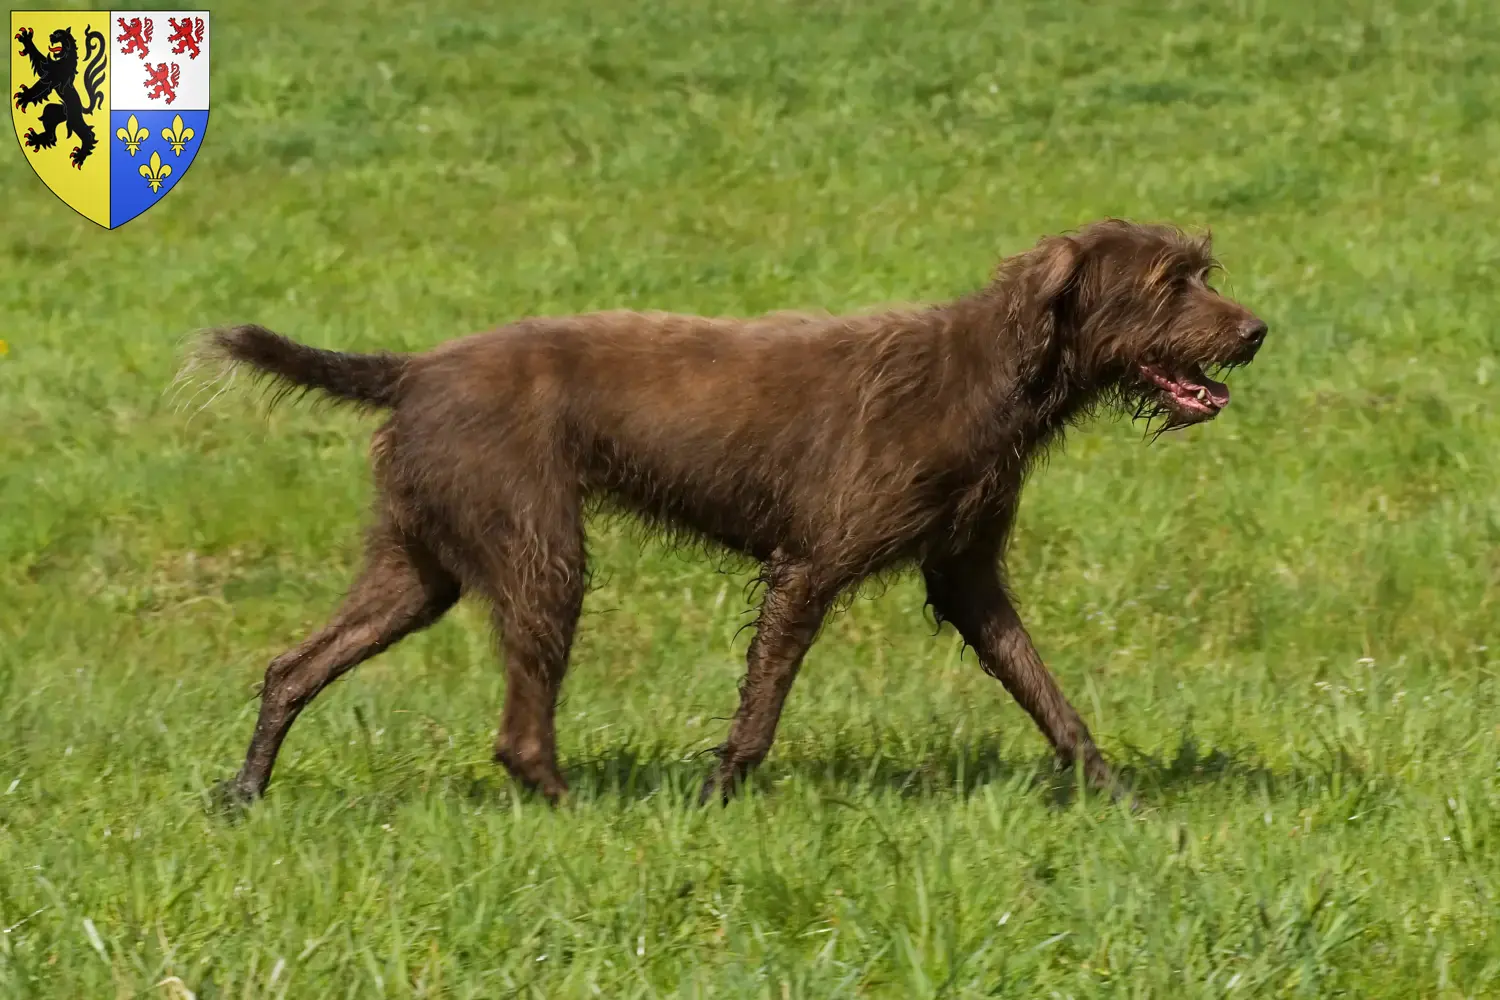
[{"x": 1218, "y": 392}]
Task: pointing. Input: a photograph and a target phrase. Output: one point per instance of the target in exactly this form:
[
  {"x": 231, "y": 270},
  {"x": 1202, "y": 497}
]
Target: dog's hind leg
[
  {"x": 537, "y": 588},
  {"x": 791, "y": 612},
  {"x": 968, "y": 593},
  {"x": 401, "y": 589}
]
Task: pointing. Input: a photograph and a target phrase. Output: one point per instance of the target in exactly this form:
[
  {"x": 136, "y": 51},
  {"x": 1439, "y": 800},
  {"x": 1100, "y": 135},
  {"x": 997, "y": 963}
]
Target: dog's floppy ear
[
  {"x": 1051, "y": 268},
  {"x": 1040, "y": 283}
]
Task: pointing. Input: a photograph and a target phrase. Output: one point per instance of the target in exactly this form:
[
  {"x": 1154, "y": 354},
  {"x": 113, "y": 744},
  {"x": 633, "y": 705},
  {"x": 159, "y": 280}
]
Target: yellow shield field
[{"x": 59, "y": 73}]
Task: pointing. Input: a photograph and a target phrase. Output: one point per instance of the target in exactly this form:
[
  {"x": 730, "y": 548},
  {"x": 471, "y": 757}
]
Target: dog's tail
[{"x": 372, "y": 380}]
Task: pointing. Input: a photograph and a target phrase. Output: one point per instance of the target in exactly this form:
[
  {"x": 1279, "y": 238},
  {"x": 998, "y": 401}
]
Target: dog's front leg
[
  {"x": 968, "y": 593},
  {"x": 791, "y": 612}
]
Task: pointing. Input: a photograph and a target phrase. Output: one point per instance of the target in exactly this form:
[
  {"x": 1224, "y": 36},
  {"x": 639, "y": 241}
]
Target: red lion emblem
[
  {"x": 187, "y": 35},
  {"x": 134, "y": 36},
  {"x": 163, "y": 86}
]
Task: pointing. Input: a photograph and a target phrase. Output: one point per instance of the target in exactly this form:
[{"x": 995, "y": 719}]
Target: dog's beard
[
  {"x": 1172, "y": 397},
  {"x": 1147, "y": 406},
  {"x": 1158, "y": 417}
]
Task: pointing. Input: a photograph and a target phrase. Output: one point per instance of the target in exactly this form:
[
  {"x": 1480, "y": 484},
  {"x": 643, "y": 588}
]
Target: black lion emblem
[{"x": 57, "y": 75}]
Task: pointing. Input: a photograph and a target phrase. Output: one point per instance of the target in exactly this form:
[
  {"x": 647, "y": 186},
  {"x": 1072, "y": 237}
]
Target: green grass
[{"x": 1282, "y": 624}]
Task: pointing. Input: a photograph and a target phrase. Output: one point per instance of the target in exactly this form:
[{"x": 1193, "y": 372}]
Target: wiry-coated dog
[{"x": 825, "y": 448}]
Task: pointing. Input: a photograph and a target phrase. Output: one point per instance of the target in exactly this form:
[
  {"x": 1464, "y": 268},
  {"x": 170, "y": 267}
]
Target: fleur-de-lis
[
  {"x": 156, "y": 171},
  {"x": 177, "y": 135},
  {"x": 132, "y": 135}
]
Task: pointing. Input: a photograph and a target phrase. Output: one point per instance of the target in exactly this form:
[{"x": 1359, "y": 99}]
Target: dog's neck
[{"x": 1023, "y": 375}]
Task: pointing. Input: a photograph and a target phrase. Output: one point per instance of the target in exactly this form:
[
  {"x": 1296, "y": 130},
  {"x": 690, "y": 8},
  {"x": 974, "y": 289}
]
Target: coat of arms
[{"x": 110, "y": 106}]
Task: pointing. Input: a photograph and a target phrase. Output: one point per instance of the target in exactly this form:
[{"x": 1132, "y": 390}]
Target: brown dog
[{"x": 826, "y": 448}]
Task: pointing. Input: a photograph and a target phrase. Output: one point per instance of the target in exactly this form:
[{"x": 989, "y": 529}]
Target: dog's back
[{"x": 776, "y": 431}]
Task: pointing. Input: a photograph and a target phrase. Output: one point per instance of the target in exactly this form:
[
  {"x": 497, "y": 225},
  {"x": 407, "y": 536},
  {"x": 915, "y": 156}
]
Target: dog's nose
[{"x": 1253, "y": 332}]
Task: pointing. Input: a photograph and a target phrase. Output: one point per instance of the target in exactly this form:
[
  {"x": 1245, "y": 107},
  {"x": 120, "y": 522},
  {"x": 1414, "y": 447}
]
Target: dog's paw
[
  {"x": 711, "y": 792},
  {"x": 721, "y": 786},
  {"x": 229, "y": 799}
]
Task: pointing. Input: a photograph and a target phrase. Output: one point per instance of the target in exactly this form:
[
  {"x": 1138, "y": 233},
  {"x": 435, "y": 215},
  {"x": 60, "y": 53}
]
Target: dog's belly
[
  {"x": 699, "y": 522},
  {"x": 723, "y": 507}
]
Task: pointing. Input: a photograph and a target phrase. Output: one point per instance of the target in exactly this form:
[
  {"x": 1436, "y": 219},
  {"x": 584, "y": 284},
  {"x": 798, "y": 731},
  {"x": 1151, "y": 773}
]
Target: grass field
[{"x": 1284, "y": 625}]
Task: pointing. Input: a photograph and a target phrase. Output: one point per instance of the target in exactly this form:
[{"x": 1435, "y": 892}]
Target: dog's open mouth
[{"x": 1192, "y": 394}]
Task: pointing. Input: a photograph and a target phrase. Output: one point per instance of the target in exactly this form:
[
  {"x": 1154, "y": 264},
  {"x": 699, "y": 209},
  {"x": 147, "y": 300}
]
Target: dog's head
[{"x": 1127, "y": 311}]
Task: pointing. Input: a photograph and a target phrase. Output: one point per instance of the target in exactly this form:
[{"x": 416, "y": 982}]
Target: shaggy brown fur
[{"x": 826, "y": 448}]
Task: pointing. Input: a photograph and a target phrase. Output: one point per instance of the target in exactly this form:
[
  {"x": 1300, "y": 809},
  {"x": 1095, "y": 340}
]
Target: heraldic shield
[{"x": 110, "y": 106}]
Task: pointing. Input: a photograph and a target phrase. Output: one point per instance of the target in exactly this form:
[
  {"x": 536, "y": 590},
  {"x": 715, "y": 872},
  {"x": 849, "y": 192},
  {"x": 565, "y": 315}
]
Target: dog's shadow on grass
[{"x": 948, "y": 771}]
